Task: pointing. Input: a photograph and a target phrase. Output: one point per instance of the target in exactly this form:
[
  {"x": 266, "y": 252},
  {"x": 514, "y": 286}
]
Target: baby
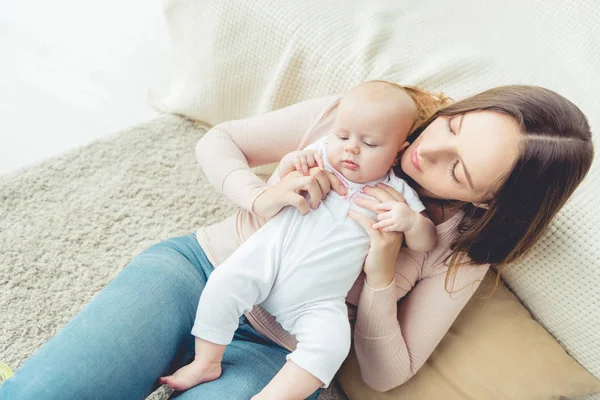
[{"x": 300, "y": 268}]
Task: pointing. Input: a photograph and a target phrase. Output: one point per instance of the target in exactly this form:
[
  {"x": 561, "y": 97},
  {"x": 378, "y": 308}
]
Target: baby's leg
[
  {"x": 243, "y": 280},
  {"x": 240, "y": 282},
  {"x": 323, "y": 334}
]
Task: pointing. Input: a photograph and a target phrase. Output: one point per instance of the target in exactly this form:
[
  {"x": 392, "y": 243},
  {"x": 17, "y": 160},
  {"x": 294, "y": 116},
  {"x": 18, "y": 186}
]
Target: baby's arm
[
  {"x": 419, "y": 231},
  {"x": 422, "y": 235},
  {"x": 406, "y": 214}
]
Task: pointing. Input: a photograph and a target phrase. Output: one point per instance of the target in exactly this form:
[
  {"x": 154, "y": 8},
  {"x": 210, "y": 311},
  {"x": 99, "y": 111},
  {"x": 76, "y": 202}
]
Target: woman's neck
[{"x": 440, "y": 211}]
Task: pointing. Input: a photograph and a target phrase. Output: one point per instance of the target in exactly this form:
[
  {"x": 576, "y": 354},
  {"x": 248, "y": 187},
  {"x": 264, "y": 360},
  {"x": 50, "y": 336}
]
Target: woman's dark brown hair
[{"x": 555, "y": 154}]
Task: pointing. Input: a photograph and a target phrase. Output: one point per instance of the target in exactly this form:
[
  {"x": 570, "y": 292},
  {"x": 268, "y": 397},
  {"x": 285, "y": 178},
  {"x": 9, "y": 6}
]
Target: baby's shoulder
[{"x": 398, "y": 183}]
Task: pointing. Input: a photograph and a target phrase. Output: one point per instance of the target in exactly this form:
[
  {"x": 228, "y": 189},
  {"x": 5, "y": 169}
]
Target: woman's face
[{"x": 465, "y": 157}]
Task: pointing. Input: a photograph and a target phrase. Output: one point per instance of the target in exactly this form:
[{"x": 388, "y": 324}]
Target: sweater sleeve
[
  {"x": 228, "y": 151},
  {"x": 393, "y": 339}
]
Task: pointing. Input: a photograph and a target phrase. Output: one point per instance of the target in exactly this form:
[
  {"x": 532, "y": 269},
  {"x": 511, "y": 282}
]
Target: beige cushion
[
  {"x": 238, "y": 58},
  {"x": 494, "y": 350}
]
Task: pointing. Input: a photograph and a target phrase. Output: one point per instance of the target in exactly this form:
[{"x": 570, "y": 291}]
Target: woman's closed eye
[
  {"x": 454, "y": 164},
  {"x": 449, "y": 122},
  {"x": 452, "y": 170}
]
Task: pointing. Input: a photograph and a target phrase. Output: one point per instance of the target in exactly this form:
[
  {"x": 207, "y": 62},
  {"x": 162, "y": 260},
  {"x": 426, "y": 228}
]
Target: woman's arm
[
  {"x": 405, "y": 213},
  {"x": 228, "y": 151},
  {"x": 393, "y": 340}
]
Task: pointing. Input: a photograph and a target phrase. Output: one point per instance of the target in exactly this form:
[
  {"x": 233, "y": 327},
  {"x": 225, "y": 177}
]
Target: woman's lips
[
  {"x": 350, "y": 165},
  {"x": 415, "y": 160}
]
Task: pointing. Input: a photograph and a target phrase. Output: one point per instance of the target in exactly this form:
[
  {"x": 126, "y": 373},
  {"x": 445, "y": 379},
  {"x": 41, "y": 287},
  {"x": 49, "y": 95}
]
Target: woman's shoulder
[
  {"x": 326, "y": 109},
  {"x": 318, "y": 117}
]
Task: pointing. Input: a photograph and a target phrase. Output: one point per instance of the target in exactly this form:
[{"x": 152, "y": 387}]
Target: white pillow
[{"x": 238, "y": 58}]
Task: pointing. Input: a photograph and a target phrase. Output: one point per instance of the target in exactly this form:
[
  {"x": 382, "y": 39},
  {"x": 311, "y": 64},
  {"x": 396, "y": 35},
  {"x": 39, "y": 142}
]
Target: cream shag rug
[{"x": 70, "y": 224}]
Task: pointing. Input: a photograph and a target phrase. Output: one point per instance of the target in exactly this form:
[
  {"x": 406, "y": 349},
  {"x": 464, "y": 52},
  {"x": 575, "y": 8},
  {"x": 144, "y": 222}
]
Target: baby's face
[{"x": 367, "y": 135}]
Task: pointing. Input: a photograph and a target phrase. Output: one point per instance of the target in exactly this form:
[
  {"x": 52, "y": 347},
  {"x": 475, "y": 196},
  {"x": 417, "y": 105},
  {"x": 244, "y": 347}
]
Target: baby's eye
[{"x": 370, "y": 145}]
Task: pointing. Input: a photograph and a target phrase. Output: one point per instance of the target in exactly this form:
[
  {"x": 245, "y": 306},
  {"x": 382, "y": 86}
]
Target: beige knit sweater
[{"x": 396, "y": 328}]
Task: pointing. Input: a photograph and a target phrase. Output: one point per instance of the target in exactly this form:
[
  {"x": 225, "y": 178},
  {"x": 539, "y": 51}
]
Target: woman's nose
[{"x": 434, "y": 150}]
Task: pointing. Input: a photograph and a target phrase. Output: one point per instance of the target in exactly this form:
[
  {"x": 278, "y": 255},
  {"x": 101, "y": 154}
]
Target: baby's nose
[{"x": 352, "y": 148}]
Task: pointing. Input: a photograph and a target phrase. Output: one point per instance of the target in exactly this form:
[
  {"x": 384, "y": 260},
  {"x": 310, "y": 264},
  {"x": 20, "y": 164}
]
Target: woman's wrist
[
  {"x": 380, "y": 264},
  {"x": 264, "y": 205},
  {"x": 284, "y": 167},
  {"x": 379, "y": 279}
]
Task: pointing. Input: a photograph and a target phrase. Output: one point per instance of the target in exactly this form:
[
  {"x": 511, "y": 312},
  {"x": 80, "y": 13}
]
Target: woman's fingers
[
  {"x": 295, "y": 200},
  {"x": 333, "y": 183},
  {"x": 311, "y": 185},
  {"x": 336, "y": 184},
  {"x": 381, "y": 237},
  {"x": 385, "y": 215},
  {"x": 368, "y": 204},
  {"x": 384, "y": 224},
  {"x": 322, "y": 180},
  {"x": 363, "y": 221},
  {"x": 289, "y": 188},
  {"x": 384, "y": 193},
  {"x": 317, "y": 183},
  {"x": 386, "y": 206},
  {"x": 378, "y": 192},
  {"x": 390, "y": 191}
]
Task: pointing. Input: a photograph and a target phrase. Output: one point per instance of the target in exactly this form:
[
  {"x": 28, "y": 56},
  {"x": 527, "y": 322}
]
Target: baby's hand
[
  {"x": 399, "y": 217},
  {"x": 301, "y": 161}
]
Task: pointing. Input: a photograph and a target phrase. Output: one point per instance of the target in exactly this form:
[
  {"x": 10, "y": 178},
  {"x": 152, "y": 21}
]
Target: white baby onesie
[{"x": 299, "y": 268}]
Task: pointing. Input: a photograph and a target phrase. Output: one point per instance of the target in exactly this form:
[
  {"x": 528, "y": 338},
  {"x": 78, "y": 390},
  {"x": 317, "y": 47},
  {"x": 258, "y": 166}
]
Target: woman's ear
[{"x": 485, "y": 206}]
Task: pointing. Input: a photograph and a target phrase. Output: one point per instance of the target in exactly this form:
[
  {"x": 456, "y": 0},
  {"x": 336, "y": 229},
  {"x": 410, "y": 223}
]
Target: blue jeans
[{"x": 138, "y": 329}]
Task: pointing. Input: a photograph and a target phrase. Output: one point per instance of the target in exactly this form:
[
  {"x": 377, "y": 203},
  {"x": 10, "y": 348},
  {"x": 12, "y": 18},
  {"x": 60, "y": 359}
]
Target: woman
[{"x": 492, "y": 170}]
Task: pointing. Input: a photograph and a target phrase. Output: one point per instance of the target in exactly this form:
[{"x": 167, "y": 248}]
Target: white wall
[{"x": 72, "y": 71}]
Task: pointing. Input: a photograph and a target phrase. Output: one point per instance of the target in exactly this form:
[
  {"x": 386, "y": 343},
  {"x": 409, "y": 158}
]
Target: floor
[{"x": 73, "y": 71}]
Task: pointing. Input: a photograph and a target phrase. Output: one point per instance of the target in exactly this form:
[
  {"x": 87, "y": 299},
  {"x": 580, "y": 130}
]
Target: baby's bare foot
[{"x": 191, "y": 375}]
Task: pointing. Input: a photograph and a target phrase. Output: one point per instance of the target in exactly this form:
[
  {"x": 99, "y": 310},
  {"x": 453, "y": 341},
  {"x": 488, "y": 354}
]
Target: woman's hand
[
  {"x": 290, "y": 189},
  {"x": 380, "y": 264}
]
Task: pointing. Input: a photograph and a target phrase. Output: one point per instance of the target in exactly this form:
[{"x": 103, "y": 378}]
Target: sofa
[{"x": 538, "y": 337}]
